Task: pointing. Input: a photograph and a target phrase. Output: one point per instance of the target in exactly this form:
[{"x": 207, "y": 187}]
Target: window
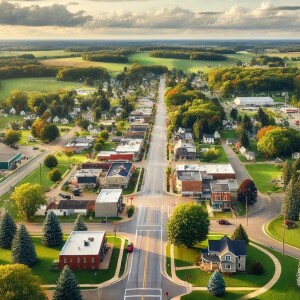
[
  {"x": 65, "y": 260},
  {"x": 78, "y": 260},
  {"x": 227, "y": 257},
  {"x": 239, "y": 257},
  {"x": 239, "y": 265},
  {"x": 71, "y": 260},
  {"x": 84, "y": 260},
  {"x": 228, "y": 267},
  {"x": 225, "y": 198},
  {"x": 93, "y": 259}
]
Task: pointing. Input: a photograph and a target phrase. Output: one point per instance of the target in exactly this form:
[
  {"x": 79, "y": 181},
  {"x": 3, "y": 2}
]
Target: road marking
[
  {"x": 143, "y": 296},
  {"x": 146, "y": 261},
  {"x": 148, "y": 230}
]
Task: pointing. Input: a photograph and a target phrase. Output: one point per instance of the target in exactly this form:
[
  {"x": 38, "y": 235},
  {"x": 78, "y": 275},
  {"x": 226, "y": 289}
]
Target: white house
[
  {"x": 64, "y": 121},
  {"x": 12, "y": 111},
  {"x": 22, "y": 113},
  {"x": 208, "y": 138},
  {"x": 56, "y": 119},
  {"x": 217, "y": 135},
  {"x": 90, "y": 127}
]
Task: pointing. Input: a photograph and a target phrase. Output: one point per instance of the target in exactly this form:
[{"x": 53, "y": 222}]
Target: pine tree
[
  {"x": 66, "y": 286},
  {"x": 52, "y": 233},
  {"x": 244, "y": 140},
  {"x": 240, "y": 234},
  {"x": 22, "y": 250},
  {"x": 216, "y": 284},
  {"x": 79, "y": 224},
  {"x": 290, "y": 203},
  {"x": 287, "y": 172},
  {"x": 8, "y": 230}
]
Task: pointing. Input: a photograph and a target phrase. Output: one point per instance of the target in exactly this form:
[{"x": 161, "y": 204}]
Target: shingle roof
[
  {"x": 237, "y": 247},
  {"x": 121, "y": 169}
]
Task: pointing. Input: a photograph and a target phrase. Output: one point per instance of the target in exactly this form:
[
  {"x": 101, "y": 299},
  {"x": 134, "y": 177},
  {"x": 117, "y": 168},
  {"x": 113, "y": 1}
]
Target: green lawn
[
  {"x": 44, "y": 53},
  {"x": 221, "y": 159},
  {"x": 262, "y": 174},
  {"x": 124, "y": 260},
  {"x": 186, "y": 257},
  {"x": 47, "y": 255},
  {"x": 133, "y": 182},
  {"x": 45, "y": 84},
  {"x": 5, "y": 120},
  {"x": 292, "y": 236},
  {"x": 230, "y": 295},
  {"x": 168, "y": 260},
  {"x": 230, "y": 134}
]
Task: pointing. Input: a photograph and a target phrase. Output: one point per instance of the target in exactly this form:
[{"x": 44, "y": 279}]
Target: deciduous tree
[
  {"x": 247, "y": 192},
  {"x": 52, "y": 233},
  {"x": 55, "y": 175},
  {"x": 50, "y": 161},
  {"x": 188, "y": 225},
  {"x": 8, "y": 230},
  {"x": 49, "y": 133},
  {"x": 11, "y": 137}
]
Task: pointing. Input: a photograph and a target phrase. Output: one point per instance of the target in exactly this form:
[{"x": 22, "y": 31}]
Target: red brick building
[
  {"x": 220, "y": 196},
  {"x": 84, "y": 250}
]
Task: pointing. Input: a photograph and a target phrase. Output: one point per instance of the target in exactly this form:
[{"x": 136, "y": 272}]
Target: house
[
  {"x": 229, "y": 256},
  {"x": 22, "y": 113},
  {"x": 88, "y": 177},
  {"x": 243, "y": 150},
  {"x": 84, "y": 250},
  {"x": 12, "y": 111},
  {"x": 109, "y": 203},
  {"x": 217, "y": 135},
  {"x": 189, "y": 182},
  {"x": 184, "y": 150},
  {"x": 90, "y": 127},
  {"x": 295, "y": 155},
  {"x": 118, "y": 176},
  {"x": 208, "y": 138},
  {"x": 9, "y": 158},
  {"x": 250, "y": 156},
  {"x": 71, "y": 207},
  {"x": 129, "y": 145},
  {"x": 183, "y": 134},
  {"x": 80, "y": 143},
  {"x": 64, "y": 121},
  {"x": 220, "y": 196},
  {"x": 56, "y": 119},
  {"x": 231, "y": 142}
]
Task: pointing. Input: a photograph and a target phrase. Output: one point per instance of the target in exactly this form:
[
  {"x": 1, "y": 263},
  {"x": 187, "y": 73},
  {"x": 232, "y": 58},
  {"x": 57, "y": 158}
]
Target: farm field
[
  {"x": 143, "y": 58},
  {"x": 289, "y": 63},
  {"x": 41, "y": 54},
  {"x": 45, "y": 84}
]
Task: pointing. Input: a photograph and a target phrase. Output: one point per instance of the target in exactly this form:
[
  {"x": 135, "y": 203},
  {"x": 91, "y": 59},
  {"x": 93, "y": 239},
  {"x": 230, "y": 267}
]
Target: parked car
[
  {"x": 64, "y": 196},
  {"x": 35, "y": 148},
  {"x": 14, "y": 146},
  {"x": 129, "y": 247},
  {"x": 76, "y": 192},
  {"x": 223, "y": 222},
  {"x": 289, "y": 224}
]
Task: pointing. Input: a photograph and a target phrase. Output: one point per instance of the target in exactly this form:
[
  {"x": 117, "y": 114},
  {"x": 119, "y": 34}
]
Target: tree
[
  {"x": 66, "y": 286},
  {"x": 247, "y": 192},
  {"x": 263, "y": 131},
  {"x": 50, "y": 161},
  {"x": 55, "y": 175},
  {"x": 234, "y": 114},
  {"x": 262, "y": 117},
  {"x": 52, "y": 233},
  {"x": 49, "y": 133},
  {"x": 298, "y": 276},
  {"x": 287, "y": 172},
  {"x": 28, "y": 198},
  {"x": 37, "y": 127},
  {"x": 79, "y": 224},
  {"x": 104, "y": 134},
  {"x": 240, "y": 234},
  {"x": 98, "y": 146},
  {"x": 69, "y": 154},
  {"x": 18, "y": 100},
  {"x": 244, "y": 139},
  {"x": 257, "y": 268},
  {"x": 17, "y": 282},
  {"x": 23, "y": 250},
  {"x": 11, "y": 137},
  {"x": 290, "y": 204},
  {"x": 197, "y": 130},
  {"x": 8, "y": 230},
  {"x": 188, "y": 225},
  {"x": 247, "y": 123},
  {"x": 216, "y": 284}
]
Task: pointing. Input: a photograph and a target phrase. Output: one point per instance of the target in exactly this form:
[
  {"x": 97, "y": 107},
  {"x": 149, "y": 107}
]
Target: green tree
[
  {"x": 28, "y": 198},
  {"x": 79, "y": 224},
  {"x": 262, "y": 117},
  {"x": 247, "y": 123},
  {"x": 287, "y": 172},
  {"x": 97, "y": 113},
  {"x": 247, "y": 192},
  {"x": 244, "y": 139},
  {"x": 23, "y": 250},
  {"x": 50, "y": 161},
  {"x": 55, "y": 175},
  {"x": 257, "y": 268},
  {"x": 69, "y": 154},
  {"x": 240, "y": 234},
  {"x": 188, "y": 225},
  {"x": 234, "y": 114},
  {"x": 11, "y": 137},
  {"x": 18, "y": 283},
  {"x": 290, "y": 204},
  {"x": 104, "y": 134},
  {"x": 18, "y": 100},
  {"x": 52, "y": 233},
  {"x": 8, "y": 230},
  {"x": 216, "y": 284},
  {"x": 98, "y": 146},
  {"x": 66, "y": 286},
  {"x": 49, "y": 133},
  {"x": 197, "y": 130}
]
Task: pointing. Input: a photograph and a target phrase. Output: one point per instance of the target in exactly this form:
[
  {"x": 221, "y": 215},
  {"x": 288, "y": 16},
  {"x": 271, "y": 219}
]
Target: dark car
[
  {"x": 64, "y": 196},
  {"x": 76, "y": 192},
  {"x": 129, "y": 247},
  {"x": 14, "y": 146},
  {"x": 223, "y": 222},
  {"x": 289, "y": 224}
]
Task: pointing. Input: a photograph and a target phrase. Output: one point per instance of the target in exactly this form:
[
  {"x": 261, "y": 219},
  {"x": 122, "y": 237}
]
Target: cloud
[
  {"x": 286, "y": 8},
  {"x": 35, "y": 15}
]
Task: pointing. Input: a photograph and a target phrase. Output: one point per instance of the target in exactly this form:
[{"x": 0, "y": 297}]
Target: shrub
[
  {"x": 130, "y": 211},
  {"x": 50, "y": 161},
  {"x": 55, "y": 175},
  {"x": 257, "y": 268}
]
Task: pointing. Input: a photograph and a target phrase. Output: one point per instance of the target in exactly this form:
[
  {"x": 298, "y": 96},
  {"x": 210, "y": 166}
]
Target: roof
[
  {"x": 184, "y": 144},
  {"x": 109, "y": 196},
  {"x": 7, "y": 154},
  {"x": 129, "y": 145},
  {"x": 189, "y": 175},
  {"x": 88, "y": 173},
  {"x": 210, "y": 258},
  {"x": 219, "y": 187},
  {"x": 75, "y": 245},
  {"x": 253, "y": 100},
  {"x": 225, "y": 244},
  {"x": 74, "y": 204},
  {"x": 119, "y": 169},
  {"x": 208, "y": 136},
  {"x": 209, "y": 168}
]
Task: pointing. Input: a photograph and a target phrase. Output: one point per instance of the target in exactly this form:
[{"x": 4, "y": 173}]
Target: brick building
[{"x": 220, "y": 196}]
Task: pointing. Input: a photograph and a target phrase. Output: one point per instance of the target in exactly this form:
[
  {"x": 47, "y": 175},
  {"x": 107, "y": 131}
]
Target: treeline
[
  {"x": 244, "y": 81},
  {"x": 270, "y": 61},
  {"x": 188, "y": 55},
  {"x": 102, "y": 57},
  {"x": 16, "y": 61},
  {"x": 188, "y": 49},
  {"x": 75, "y": 74}
]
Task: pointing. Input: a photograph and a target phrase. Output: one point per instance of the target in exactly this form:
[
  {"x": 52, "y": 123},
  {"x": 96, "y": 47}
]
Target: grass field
[
  {"x": 230, "y": 295},
  {"x": 262, "y": 174},
  {"x": 291, "y": 237},
  {"x": 221, "y": 159},
  {"x": 45, "y": 84},
  {"x": 143, "y": 58},
  {"x": 38, "y": 54},
  {"x": 5, "y": 120},
  {"x": 289, "y": 55},
  {"x": 47, "y": 255}
]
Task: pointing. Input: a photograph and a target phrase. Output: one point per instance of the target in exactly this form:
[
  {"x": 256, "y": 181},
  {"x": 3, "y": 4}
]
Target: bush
[
  {"x": 55, "y": 175},
  {"x": 211, "y": 154},
  {"x": 257, "y": 268},
  {"x": 50, "y": 161},
  {"x": 130, "y": 211}
]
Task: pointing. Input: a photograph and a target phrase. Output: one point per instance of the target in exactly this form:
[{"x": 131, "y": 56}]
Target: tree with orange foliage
[{"x": 263, "y": 131}]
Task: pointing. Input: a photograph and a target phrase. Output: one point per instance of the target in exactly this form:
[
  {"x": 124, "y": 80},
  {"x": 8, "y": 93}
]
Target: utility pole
[
  {"x": 283, "y": 234},
  {"x": 247, "y": 209}
]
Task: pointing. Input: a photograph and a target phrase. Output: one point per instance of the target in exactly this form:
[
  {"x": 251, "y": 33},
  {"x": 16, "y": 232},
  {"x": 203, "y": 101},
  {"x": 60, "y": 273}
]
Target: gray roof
[
  {"x": 219, "y": 187},
  {"x": 211, "y": 258},
  {"x": 73, "y": 204},
  {"x": 208, "y": 136},
  {"x": 188, "y": 175},
  {"x": 237, "y": 247},
  {"x": 121, "y": 169}
]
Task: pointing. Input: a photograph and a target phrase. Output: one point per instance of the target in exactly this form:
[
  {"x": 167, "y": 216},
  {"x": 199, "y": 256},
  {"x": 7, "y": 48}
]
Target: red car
[
  {"x": 129, "y": 247},
  {"x": 223, "y": 222}
]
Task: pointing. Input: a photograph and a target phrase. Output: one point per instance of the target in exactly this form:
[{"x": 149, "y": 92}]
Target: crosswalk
[{"x": 143, "y": 293}]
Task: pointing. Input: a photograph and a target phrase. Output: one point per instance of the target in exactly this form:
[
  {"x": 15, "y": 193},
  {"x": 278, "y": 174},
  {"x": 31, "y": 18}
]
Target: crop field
[
  {"x": 45, "y": 84},
  {"x": 289, "y": 63},
  {"x": 41, "y": 54},
  {"x": 144, "y": 59}
]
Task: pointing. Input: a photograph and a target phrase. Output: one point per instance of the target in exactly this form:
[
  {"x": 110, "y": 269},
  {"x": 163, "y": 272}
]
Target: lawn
[
  {"x": 39, "y": 54},
  {"x": 262, "y": 174},
  {"x": 75, "y": 159},
  {"x": 124, "y": 261},
  {"x": 45, "y": 84},
  {"x": 5, "y": 120},
  {"x": 230, "y": 134},
  {"x": 230, "y": 295},
  {"x": 133, "y": 182},
  {"x": 221, "y": 159},
  {"x": 291, "y": 237},
  {"x": 48, "y": 255},
  {"x": 168, "y": 260},
  {"x": 186, "y": 257}
]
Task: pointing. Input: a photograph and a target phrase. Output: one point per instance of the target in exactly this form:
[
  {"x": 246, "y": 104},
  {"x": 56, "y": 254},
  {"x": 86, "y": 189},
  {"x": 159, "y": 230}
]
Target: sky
[{"x": 149, "y": 19}]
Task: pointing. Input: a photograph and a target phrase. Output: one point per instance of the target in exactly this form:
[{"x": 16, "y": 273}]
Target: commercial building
[
  {"x": 8, "y": 158},
  {"x": 255, "y": 101},
  {"x": 90, "y": 177},
  {"x": 109, "y": 203},
  {"x": 118, "y": 176},
  {"x": 184, "y": 150},
  {"x": 84, "y": 250},
  {"x": 220, "y": 196}
]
